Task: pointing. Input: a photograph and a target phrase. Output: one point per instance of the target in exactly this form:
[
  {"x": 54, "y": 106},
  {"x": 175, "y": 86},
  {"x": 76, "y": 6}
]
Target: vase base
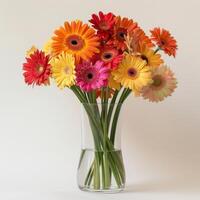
[{"x": 105, "y": 191}]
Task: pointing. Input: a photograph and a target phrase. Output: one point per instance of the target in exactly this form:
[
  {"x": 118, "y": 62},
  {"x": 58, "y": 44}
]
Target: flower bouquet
[{"x": 102, "y": 65}]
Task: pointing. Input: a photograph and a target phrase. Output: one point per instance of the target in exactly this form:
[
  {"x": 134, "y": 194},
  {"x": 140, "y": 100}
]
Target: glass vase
[{"x": 101, "y": 167}]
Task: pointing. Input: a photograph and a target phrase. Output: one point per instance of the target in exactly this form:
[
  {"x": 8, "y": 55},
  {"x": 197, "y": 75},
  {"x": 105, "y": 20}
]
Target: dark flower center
[
  {"x": 74, "y": 42},
  {"x": 89, "y": 76},
  {"x": 144, "y": 58},
  {"x": 132, "y": 72},
  {"x": 121, "y": 33},
  {"x": 107, "y": 55},
  {"x": 163, "y": 42}
]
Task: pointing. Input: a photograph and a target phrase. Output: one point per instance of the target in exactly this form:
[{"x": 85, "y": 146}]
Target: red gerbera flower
[
  {"x": 110, "y": 56},
  {"x": 37, "y": 69},
  {"x": 103, "y": 22},
  {"x": 164, "y": 40}
]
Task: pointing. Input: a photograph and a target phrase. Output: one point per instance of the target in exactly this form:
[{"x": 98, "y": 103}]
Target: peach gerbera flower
[
  {"x": 165, "y": 41},
  {"x": 163, "y": 85},
  {"x": 77, "y": 39}
]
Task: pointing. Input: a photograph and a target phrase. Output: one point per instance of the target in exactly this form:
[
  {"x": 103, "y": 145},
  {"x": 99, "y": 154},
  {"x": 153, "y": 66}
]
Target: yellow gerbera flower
[
  {"x": 47, "y": 48},
  {"x": 63, "y": 70},
  {"x": 76, "y": 38},
  {"x": 152, "y": 59},
  {"x": 133, "y": 73},
  {"x": 31, "y": 51}
]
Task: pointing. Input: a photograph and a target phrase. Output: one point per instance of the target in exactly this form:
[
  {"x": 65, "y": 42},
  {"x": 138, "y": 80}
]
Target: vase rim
[{"x": 99, "y": 103}]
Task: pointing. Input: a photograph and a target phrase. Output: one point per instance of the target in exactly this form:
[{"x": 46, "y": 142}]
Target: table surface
[{"x": 141, "y": 191}]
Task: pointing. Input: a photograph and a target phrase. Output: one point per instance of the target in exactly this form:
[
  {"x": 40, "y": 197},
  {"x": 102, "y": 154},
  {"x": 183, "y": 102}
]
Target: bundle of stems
[{"x": 103, "y": 122}]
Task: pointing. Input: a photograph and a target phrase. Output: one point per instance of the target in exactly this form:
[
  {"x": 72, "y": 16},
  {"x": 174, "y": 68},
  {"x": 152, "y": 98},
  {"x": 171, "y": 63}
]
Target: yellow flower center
[
  {"x": 39, "y": 68},
  {"x": 67, "y": 70}
]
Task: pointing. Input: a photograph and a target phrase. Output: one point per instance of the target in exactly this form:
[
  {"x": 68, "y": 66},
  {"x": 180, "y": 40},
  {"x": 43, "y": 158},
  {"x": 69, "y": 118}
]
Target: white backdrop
[{"x": 40, "y": 127}]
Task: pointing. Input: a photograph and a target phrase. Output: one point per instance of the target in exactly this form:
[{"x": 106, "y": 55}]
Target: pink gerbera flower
[{"x": 91, "y": 76}]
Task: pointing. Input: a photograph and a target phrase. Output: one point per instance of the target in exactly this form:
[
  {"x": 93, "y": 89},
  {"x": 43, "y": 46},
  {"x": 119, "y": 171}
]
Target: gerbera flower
[
  {"x": 164, "y": 83},
  {"x": 104, "y": 37},
  {"x": 63, "y": 70},
  {"x": 77, "y": 39},
  {"x": 47, "y": 48},
  {"x": 121, "y": 28},
  {"x": 164, "y": 40},
  {"x": 132, "y": 73},
  {"x": 91, "y": 76},
  {"x": 103, "y": 22},
  {"x": 152, "y": 59},
  {"x": 135, "y": 38},
  {"x": 37, "y": 68},
  {"x": 110, "y": 56},
  {"x": 31, "y": 51}
]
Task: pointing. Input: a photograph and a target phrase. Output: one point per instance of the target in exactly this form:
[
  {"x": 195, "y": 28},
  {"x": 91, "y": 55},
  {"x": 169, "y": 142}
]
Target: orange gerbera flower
[
  {"x": 137, "y": 37},
  {"x": 77, "y": 39},
  {"x": 121, "y": 28},
  {"x": 164, "y": 40}
]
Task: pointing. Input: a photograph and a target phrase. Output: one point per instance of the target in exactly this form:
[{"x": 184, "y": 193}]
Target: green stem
[
  {"x": 124, "y": 95},
  {"x": 96, "y": 171},
  {"x": 111, "y": 107},
  {"x": 111, "y": 161},
  {"x": 90, "y": 172},
  {"x": 158, "y": 49}
]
